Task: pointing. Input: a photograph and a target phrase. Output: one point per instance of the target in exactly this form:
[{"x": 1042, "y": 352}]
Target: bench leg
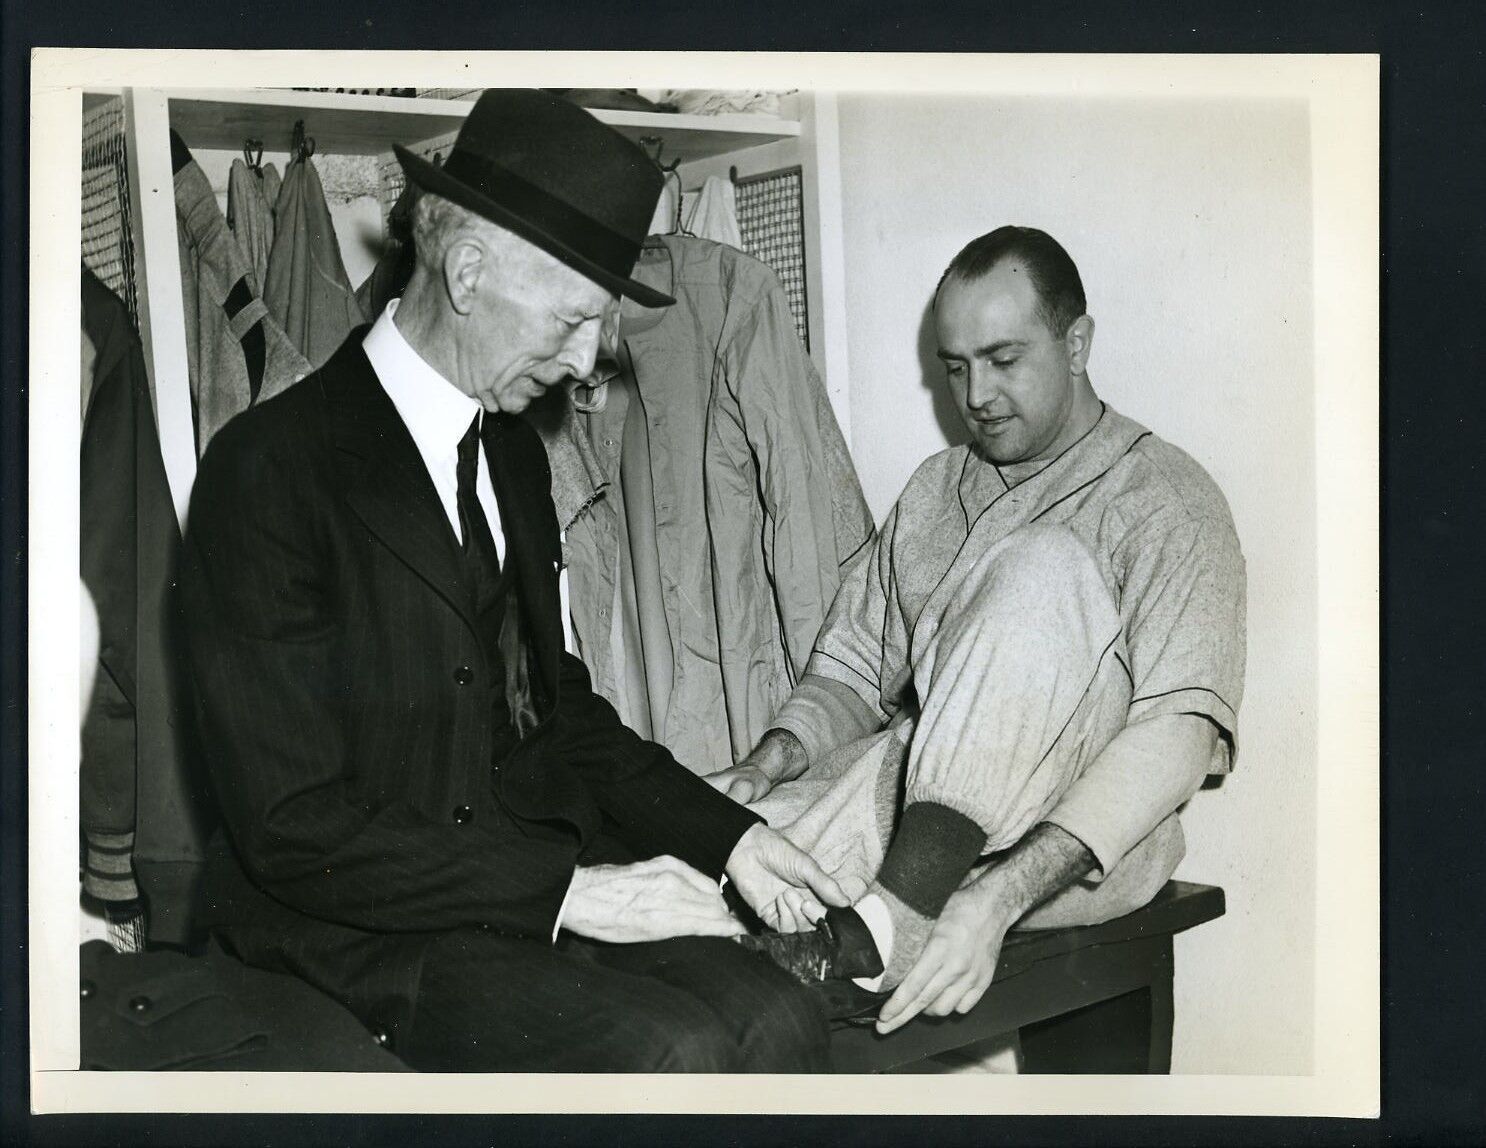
[
  {"x": 1163, "y": 1014},
  {"x": 1126, "y": 1034}
]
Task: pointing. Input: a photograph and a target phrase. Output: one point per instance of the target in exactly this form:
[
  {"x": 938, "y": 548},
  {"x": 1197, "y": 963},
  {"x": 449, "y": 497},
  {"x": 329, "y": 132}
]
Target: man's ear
[
  {"x": 1079, "y": 341},
  {"x": 464, "y": 264}
]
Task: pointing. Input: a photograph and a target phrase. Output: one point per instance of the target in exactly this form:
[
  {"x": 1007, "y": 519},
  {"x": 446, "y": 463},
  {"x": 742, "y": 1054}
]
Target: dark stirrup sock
[{"x": 931, "y": 852}]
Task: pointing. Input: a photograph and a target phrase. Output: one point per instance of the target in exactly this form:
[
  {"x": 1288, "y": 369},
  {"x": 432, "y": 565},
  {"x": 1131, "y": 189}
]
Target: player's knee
[{"x": 1041, "y": 563}]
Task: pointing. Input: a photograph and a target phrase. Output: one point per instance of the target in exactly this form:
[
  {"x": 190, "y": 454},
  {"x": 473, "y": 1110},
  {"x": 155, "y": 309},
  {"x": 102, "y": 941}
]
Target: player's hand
[
  {"x": 956, "y": 966},
  {"x": 743, "y": 783},
  {"x": 779, "y": 756}
]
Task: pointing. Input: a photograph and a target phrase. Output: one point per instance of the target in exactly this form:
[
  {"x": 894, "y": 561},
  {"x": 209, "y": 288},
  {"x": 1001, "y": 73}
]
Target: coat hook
[
  {"x": 654, "y": 147},
  {"x": 302, "y": 146}
]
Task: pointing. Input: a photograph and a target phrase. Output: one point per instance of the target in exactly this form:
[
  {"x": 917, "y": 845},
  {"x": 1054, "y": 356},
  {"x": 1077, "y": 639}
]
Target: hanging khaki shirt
[{"x": 721, "y": 554}]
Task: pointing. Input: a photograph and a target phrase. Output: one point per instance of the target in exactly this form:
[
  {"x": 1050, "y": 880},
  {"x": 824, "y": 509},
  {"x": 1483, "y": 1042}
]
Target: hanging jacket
[
  {"x": 307, "y": 290},
  {"x": 128, "y": 546},
  {"x": 250, "y": 215},
  {"x": 708, "y": 567},
  {"x": 236, "y": 353}
]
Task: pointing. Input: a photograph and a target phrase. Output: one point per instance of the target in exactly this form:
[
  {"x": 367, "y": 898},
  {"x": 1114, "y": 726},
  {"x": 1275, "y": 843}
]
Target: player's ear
[{"x": 1079, "y": 342}]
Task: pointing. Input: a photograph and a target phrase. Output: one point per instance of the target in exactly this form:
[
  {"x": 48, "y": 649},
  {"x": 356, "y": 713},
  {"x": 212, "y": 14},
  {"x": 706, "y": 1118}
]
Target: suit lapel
[
  {"x": 389, "y": 489},
  {"x": 519, "y": 473},
  {"x": 387, "y": 484}
]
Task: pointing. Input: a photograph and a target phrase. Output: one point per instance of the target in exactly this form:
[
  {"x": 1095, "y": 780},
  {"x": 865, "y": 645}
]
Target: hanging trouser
[
  {"x": 236, "y": 354},
  {"x": 307, "y": 290},
  {"x": 1021, "y": 674}
]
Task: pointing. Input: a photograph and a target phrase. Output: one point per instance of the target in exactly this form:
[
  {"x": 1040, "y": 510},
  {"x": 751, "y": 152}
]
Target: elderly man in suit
[{"x": 428, "y": 812}]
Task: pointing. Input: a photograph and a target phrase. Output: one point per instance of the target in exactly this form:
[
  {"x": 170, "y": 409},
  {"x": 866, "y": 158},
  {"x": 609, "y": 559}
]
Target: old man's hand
[
  {"x": 647, "y": 901},
  {"x": 780, "y": 881}
]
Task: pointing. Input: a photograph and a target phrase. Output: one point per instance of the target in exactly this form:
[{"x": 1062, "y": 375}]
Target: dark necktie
[
  {"x": 501, "y": 629},
  {"x": 477, "y": 541}
]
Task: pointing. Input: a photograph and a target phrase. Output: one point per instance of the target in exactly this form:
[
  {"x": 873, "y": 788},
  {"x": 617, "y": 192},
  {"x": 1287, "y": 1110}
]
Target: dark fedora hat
[{"x": 548, "y": 171}]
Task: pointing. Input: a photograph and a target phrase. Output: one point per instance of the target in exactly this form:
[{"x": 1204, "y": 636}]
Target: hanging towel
[
  {"x": 307, "y": 290},
  {"x": 236, "y": 353},
  {"x": 713, "y": 213},
  {"x": 663, "y": 222},
  {"x": 250, "y": 215}
]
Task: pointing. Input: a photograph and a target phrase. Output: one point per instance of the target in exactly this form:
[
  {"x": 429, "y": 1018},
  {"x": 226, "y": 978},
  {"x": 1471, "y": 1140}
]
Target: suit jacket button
[
  {"x": 381, "y": 1036},
  {"x": 140, "y": 1004},
  {"x": 462, "y": 814},
  {"x": 464, "y": 675}
]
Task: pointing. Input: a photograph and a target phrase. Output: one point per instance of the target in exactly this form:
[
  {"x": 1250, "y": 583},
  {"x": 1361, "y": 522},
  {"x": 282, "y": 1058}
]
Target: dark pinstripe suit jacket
[{"x": 346, "y": 712}]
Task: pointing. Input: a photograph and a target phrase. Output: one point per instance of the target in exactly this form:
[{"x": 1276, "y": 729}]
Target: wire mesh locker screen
[
  {"x": 771, "y": 219},
  {"x": 108, "y": 238}
]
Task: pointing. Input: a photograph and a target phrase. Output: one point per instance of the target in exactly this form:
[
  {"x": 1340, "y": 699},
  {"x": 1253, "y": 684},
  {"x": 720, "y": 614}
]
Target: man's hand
[
  {"x": 780, "y": 881},
  {"x": 779, "y": 756},
  {"x": 956, "y": 966},
  {"x": 647, "y": 901}
]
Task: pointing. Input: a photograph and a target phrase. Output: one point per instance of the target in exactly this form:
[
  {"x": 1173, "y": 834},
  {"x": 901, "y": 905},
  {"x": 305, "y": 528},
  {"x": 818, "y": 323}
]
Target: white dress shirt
[{"x": 437, "y": 415}]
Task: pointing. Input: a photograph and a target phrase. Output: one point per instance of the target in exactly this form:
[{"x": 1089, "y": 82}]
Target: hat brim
[{"x": 436, "y": 180}]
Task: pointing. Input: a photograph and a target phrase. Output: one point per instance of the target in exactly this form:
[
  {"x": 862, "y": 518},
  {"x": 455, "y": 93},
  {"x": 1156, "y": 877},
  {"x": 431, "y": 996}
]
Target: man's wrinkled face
[
  {"x": 1013, "y": 380},
  {"x": 535, "y": 322}
]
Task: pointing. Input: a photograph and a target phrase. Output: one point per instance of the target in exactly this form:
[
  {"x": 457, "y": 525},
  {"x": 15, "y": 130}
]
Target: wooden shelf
[{"x": 370, "y": 125}]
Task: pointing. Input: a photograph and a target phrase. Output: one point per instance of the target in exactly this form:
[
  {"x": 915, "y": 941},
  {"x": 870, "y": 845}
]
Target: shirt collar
[{"x": 435, "y": 411}]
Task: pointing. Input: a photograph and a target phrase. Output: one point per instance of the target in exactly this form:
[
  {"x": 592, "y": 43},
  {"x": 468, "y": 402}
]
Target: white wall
[{"x": 1190, "y": 223}]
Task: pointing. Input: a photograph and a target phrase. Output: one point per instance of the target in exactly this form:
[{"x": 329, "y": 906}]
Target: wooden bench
[
  {"x": 1094, "y": 999},
  {"x": 1091, "y": 999}
]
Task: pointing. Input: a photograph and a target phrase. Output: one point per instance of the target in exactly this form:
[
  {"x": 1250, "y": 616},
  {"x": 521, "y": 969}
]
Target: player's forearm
[
  {"x": 1145, "y": 773},
  {"x": 1048, "y": 859},
  {"x": 779, "y": 756}
]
